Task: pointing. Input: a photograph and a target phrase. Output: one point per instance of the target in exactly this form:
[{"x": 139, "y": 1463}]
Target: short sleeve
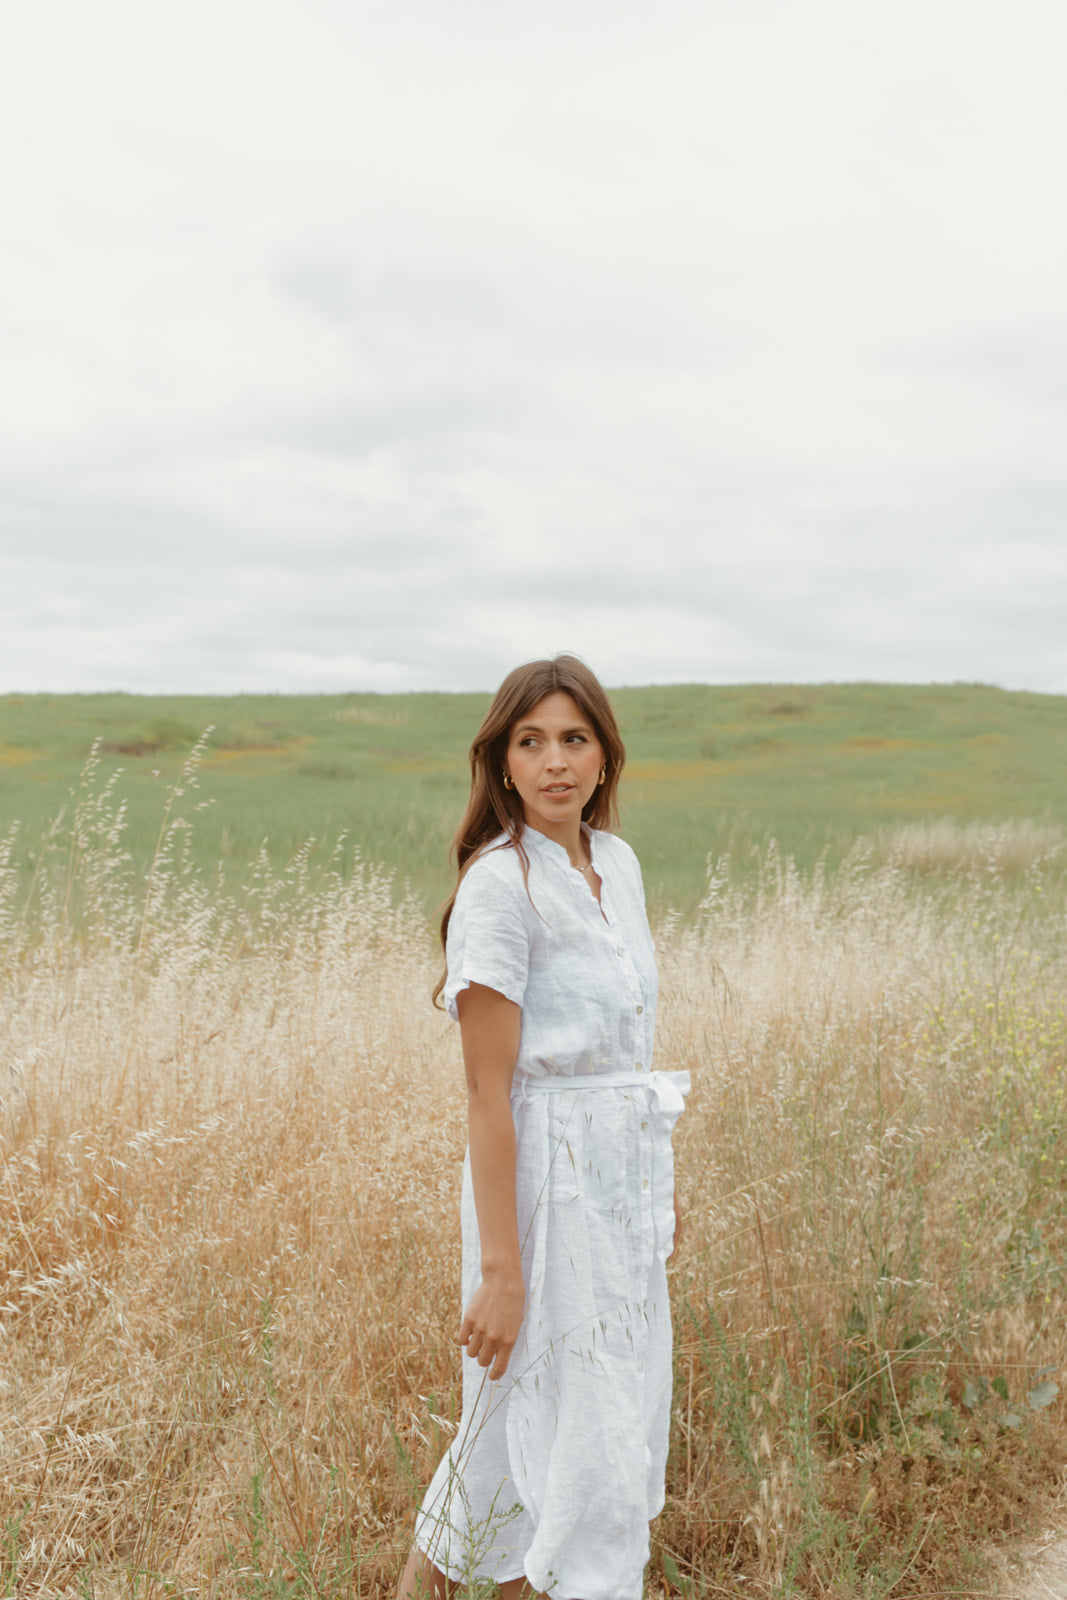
[{"x": 488, "y": 937}]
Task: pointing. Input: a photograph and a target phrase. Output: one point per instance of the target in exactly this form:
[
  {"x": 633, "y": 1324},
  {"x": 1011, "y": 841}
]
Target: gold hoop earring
[
  {"x": 509, "y": 781},
  {"x": 603, "y": 775}
]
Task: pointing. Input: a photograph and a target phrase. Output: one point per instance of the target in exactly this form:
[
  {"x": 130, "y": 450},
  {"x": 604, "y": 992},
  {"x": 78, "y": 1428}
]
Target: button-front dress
[{"x": 556, "y": 1469}]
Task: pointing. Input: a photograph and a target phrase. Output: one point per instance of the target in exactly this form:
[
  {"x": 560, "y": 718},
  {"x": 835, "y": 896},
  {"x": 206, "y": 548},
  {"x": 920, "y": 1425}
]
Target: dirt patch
[{"x": 1034, "y": 1571}]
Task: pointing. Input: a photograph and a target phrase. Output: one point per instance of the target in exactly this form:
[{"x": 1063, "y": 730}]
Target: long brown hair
[{"x": 492, "y": 809}]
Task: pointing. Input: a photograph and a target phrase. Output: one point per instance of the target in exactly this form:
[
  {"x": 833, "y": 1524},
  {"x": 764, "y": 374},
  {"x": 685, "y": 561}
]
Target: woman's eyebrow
[{"x": 531, "y": 727}]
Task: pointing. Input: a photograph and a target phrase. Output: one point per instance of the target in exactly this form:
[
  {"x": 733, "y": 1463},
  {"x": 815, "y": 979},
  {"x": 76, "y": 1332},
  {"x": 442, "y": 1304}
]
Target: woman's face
[{"x": 554, "y": 758}]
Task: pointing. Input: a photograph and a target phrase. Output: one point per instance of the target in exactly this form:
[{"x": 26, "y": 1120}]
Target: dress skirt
[{"x": 557, "y": 1468}]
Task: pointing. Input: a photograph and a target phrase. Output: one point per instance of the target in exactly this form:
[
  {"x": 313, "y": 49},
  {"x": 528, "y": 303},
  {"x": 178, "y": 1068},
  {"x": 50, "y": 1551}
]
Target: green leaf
[
  {"x": 1011, "y": 1419},
  {"x": 1043, "y": 1395},
  {"x": 1000, "y": 1385},
  {"x": 970, "y": 1396},
  {"x": 674, "y": 1577}
]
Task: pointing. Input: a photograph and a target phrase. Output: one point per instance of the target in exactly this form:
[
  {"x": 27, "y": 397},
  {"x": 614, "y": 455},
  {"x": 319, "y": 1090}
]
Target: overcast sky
[{"x": 352, "y": 345}]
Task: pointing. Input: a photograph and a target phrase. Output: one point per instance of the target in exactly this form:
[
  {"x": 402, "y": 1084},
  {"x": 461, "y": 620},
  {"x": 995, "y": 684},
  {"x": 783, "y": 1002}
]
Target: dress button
[
  {"x": 620, "y": 949},
  {"x": 644, "y": 1127},
  {"x": 640, "y": 1067},
  {"x": 644, "y": 1183},
  {"x": 639, "y": 1010}
]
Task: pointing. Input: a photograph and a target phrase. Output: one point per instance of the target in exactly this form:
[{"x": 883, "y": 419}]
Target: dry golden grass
[
  {"x": 873, "y": 1286},
  {"x": 231, "y": 1144},
  {"x": 979, "y": 849}
]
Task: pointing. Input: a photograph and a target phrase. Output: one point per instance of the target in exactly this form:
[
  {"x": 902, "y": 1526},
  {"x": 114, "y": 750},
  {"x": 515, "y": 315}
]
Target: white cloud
[{"x": 380, "y": 345}]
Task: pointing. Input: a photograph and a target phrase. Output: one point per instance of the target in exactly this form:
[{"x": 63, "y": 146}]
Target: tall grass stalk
[{"x": 232, "y": 1129}]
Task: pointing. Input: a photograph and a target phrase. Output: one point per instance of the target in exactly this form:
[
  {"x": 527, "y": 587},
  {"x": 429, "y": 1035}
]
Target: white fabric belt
[
  {"x": 666, "y": 1103},
  {"x": 667, "y": 1088}
]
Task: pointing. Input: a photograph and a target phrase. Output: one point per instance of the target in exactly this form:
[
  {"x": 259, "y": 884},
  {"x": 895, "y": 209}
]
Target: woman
[{"x": 568, "y": 1210}]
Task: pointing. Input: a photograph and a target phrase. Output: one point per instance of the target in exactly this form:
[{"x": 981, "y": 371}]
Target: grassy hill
[{"x": 710, "y": 770}]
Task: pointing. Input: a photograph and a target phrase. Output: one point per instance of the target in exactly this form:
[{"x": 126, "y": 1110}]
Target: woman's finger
[
  {"x": 500, "y": 1365},
  {"x": 472, "y": 1340},
  {"x": 488, "y": 1353},
  {"x": 487, "y": 1349}
]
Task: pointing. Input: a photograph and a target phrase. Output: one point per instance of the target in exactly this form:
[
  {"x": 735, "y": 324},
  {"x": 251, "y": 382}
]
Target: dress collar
[{"x": 549, "y": 847}]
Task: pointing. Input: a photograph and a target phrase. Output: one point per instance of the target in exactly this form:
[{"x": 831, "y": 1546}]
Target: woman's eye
[{"x": 578, "y": 738}]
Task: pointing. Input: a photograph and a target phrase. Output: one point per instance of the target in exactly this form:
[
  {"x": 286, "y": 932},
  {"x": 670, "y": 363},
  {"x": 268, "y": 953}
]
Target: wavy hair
[{"x": 493, "y": 810}]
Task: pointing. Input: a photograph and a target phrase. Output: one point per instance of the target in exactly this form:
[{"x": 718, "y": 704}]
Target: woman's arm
[{"x": 489, "y": 1025}]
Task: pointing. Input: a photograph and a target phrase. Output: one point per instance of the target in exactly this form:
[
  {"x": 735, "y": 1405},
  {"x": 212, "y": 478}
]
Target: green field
[{"x": 710, "y": 770}]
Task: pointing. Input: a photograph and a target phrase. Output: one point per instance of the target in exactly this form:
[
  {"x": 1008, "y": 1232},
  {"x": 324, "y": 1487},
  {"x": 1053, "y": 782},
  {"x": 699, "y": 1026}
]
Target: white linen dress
[{"x": 557, "y": 1468}]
